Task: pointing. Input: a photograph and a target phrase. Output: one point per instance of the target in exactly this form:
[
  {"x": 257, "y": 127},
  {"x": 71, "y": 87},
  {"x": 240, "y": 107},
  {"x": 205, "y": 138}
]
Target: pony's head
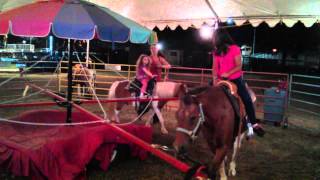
[{"x": 189, "y": 117}]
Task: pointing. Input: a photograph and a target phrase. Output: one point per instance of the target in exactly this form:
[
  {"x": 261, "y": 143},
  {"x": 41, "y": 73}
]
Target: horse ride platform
[{"x": 61, "y": 151}]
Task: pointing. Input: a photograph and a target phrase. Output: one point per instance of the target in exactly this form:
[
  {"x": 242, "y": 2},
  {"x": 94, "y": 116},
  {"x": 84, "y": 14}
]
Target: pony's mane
[
  {"x": 198, "y": 90},
  {"x": 188, "y": 97}
]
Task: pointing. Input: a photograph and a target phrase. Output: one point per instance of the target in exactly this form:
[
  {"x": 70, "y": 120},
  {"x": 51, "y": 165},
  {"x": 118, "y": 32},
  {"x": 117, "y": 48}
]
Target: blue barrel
[{"x": 274, "y": 104}]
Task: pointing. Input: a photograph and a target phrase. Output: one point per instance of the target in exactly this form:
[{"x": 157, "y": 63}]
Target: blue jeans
[{"x": 247, "y": 101}]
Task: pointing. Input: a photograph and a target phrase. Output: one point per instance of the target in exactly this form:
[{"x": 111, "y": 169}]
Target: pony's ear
[
  {"x": 185, "y": 87},
  {"x": 183, "y": 90},
  {"x": 189, "y": 99}
]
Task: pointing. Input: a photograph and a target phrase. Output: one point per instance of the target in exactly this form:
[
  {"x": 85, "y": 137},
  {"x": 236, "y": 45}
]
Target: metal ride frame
[{"x": 183, "y": 167}]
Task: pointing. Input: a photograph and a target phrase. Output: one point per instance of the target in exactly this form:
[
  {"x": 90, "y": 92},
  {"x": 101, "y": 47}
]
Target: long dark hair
[{"x": 221, "y": 42}]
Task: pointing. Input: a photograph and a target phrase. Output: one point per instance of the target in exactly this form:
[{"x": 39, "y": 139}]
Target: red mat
[{"x": 60, "y": 152}]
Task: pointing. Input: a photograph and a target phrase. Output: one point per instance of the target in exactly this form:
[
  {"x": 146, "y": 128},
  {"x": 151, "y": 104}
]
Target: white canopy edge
[{"x": 194, "y": 13}]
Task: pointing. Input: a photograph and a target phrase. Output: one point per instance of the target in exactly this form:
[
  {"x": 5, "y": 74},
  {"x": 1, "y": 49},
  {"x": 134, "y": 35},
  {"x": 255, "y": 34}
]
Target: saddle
[
  {"x": 134, "y": 87},
  {"x": 230, "y": 90},
  {"x": 151, "y": 84}
]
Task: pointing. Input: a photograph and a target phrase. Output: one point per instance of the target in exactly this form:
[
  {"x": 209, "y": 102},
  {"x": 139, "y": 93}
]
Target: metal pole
[
  {"x": 69, "y": 92},
  {"x": 290, "y": 90},
  {"x": 254, "y": 41},
  {"x": 88, "y": 49}
]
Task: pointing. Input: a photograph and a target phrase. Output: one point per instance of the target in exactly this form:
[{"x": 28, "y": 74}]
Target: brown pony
[{"x": 208, "y": 109}]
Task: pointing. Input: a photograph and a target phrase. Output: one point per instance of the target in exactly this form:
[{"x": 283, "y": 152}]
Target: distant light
[
  {"x": 230, "y": 21},
  {"x": 159, "y": 46},
  {"x": 274, "y": 50},
  {"x": 206, "y": 32},
  {"x": 24, "y": 41},
  {"x": 51, "y": 44}
]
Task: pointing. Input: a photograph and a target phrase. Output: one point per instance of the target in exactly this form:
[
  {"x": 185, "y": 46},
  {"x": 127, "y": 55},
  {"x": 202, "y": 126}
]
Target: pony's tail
[{"x": 111, "y": 106}]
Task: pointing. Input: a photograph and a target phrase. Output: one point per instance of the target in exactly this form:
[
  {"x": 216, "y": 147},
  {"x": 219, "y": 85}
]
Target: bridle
[{"x": 193, "y": 134}]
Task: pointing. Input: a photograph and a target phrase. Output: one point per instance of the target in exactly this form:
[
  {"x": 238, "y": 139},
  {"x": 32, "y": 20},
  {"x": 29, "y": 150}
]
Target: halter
[{"x": 193, "y": 134}]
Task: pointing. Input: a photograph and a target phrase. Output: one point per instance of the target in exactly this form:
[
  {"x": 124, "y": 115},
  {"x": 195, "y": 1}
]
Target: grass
[{"x": 283, "y": 154}]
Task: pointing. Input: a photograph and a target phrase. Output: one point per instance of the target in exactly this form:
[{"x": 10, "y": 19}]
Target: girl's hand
[
  {"x": 166, "y": 66},
  {"x": 224, "y": 75}
]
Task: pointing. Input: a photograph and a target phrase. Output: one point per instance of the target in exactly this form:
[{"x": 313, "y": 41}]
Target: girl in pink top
[
  {"x": 143, "y": 73},
  {"x": 228, "y": 65}
]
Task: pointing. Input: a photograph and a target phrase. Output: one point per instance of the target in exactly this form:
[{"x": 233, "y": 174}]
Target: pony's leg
[
  {"x": 222, "y": 171},
  {"x": 219, "y": 156},
  {"x": 79, "y": 89},
  {"x": 157, "y": 111},
  {"x": 117, "y": 110},
  {"x": 148, "y": 122},
  {"x": 232, "y": 166},
  {"x": 116, "y": 115}
]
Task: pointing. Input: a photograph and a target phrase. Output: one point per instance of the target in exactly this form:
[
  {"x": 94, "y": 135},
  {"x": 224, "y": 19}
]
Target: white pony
[{"x": 120, "y": 89}]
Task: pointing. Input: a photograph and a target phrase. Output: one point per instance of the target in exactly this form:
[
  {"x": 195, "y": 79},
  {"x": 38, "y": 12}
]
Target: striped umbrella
[{"x": 70, "y": 19}]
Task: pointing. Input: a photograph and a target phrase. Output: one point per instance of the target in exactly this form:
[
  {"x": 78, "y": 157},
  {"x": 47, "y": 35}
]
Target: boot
[{"x": 258, "y": 129}]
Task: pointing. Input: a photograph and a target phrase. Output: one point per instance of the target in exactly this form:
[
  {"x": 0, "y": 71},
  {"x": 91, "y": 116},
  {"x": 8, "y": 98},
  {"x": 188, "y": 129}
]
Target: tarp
[
  {"x": 61, "y": 152},
  {"x": 186, "y": 13}
]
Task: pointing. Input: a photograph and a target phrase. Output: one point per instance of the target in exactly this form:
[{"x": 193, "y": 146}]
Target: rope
[
  {"x": 94, "y": 92},
  {"x": 50, "y": 124},
  {"x": 27, "y": 69},
  {"x": 35, "y": 93}
]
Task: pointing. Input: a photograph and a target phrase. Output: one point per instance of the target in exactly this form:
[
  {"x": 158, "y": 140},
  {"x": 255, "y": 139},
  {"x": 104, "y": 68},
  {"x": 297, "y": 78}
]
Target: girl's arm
[
  {"x": 148, "y": 73},
  {"x": 164, "y": 63},
  {"x": 237, "y": 68}
]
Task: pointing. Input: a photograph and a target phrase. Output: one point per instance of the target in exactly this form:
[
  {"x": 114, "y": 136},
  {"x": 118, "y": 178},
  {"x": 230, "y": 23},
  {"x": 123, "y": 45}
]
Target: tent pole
[
  {"x": 254, "y": 41},
  {"x": 88, "y": 49},
  {"x": 213, "y": 11},
  {"x": 69, "y": 92}
]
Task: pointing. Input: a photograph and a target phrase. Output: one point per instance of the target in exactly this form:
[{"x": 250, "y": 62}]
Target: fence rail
[
  {"x": 305, "y": 93},
  {"x": 260, "y": 82}
]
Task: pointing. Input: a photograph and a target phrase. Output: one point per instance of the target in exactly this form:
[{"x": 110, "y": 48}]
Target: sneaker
[
  {"x": 250, "y": 132},
  {"x": 257, "y": 128}
]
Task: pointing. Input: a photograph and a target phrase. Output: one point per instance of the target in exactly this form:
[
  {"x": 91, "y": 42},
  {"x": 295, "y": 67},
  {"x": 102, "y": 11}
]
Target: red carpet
[{"x": 60, "y": 152}]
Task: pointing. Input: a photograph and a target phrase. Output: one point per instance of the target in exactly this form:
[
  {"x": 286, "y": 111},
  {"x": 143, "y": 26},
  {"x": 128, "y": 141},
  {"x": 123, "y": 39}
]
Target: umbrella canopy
[{"x": 72, "y": 19}]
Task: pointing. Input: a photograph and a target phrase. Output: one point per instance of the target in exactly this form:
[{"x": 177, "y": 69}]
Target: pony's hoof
[
  {"x": 223, "y": 178},
  {"x": 232, "y": 170},
  {"x": 164, "y": 131}
]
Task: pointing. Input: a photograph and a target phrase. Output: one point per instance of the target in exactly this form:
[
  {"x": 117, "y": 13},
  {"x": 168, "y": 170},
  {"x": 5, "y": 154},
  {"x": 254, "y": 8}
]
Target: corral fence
[
  {"x": 270, "y": 88},
  {"x": 305, "y": 93}
]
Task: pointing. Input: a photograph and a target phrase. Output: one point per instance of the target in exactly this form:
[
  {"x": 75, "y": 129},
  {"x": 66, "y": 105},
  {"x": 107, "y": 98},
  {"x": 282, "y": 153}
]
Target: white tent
[{"x": 186, "y": 13}]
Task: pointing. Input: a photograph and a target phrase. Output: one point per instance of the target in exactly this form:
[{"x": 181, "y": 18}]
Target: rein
[{"x": 193, "y": 134}]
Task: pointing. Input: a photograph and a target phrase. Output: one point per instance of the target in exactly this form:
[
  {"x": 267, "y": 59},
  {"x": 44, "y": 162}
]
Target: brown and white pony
[
  {"x": 208, "y": 109},
  {"x": 120, "y": 89},
  {"x": 84, "y": 78}
]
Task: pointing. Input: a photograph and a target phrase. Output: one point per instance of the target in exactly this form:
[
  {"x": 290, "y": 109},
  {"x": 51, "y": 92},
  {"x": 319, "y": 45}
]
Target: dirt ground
[{"x": 283, "y": 154}]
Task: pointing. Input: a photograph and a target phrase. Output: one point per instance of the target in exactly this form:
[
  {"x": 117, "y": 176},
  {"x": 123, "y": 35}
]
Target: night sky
[{"x": 295, "y": 39}]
